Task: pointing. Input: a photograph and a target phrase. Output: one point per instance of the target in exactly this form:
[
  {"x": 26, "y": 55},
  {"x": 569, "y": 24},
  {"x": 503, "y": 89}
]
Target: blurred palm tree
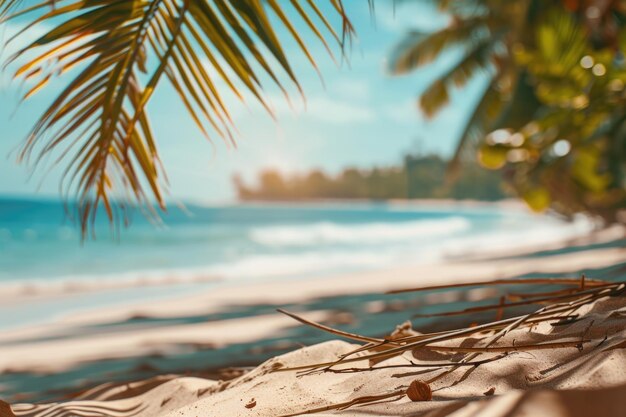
[
  {"x": 553, "y": 112},
  {"x": 483, "y": 33},
  {"x": 118, "y": 52}
]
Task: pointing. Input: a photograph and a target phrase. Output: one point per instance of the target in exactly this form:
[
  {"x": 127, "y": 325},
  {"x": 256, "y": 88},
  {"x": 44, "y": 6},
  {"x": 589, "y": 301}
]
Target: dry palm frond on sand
[{"x": 558, "y": 307}]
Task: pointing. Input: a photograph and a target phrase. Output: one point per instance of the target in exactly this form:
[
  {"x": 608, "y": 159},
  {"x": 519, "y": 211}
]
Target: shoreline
[
  {"x": 377, "y": 281},
  {"x": 18, "y": 352},
  {"x": 42, "y": 290}
]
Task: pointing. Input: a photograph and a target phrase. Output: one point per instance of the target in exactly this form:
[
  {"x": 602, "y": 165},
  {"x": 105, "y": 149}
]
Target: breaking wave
[{"x": 372, "y": 233}]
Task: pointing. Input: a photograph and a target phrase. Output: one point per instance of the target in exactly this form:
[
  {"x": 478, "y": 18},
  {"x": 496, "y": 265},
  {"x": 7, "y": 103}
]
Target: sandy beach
[
  {"x": 585, "y": 373},
  {"x": 190, "y": 343}
]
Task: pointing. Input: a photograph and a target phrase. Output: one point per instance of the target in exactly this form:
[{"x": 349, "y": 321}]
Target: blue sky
[{"x": 359, "y": 116}]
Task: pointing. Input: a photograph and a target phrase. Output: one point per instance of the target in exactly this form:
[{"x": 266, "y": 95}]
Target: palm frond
[
  {"x": 418, "y": 49},
  {"x": 482, "y": 120},
  {"x": 437, "y": 95},
  {"x": 560, "y": 39},
  {"x": 121, "y": 52}
]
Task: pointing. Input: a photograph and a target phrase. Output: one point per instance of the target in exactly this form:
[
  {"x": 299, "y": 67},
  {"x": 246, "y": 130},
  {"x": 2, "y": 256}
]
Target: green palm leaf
[
  {"x": 122, "y": 51},
  {"x": 483, "y": 118},
  {"x": 437, "y": 95},
  {"x": 418, "y": 49}
]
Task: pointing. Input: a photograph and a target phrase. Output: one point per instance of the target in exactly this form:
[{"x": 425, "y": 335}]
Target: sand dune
[{"x": 556, "y": 382}]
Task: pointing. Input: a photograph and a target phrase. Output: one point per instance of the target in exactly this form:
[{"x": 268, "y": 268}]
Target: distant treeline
[{"x": 419, "y": 177}]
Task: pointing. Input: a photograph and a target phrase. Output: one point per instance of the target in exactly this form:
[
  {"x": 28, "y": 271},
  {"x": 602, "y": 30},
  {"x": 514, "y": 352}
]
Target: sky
[{"x": 356, "y": 115}]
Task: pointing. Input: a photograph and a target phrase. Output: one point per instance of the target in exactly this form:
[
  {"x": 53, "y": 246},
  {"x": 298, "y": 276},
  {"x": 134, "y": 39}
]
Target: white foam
[
  {"x": 323, "y": 248},
  {"x": 544, "y": 232},
  {"x": 34, "y": 286},
  {"x": 302, "y": 264},
  {"x": 372, "y": 233}
]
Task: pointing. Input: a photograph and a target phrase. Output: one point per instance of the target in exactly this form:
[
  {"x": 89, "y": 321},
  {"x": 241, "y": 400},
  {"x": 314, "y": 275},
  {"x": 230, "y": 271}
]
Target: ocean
[{"x": 39, "y": 247}]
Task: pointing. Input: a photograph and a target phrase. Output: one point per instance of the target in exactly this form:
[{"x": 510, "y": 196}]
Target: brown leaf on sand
[
  {"x": 251, "y": 403},
  {"x": 490, "y": 392},
  {"x": 5, "y": 410},
  {"x": 402, "y": 330},
  {"x": 419, "y": 391}
]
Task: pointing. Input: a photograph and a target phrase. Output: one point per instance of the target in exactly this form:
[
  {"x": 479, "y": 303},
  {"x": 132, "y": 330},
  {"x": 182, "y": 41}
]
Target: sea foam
[{"x": 372, "y": 233}]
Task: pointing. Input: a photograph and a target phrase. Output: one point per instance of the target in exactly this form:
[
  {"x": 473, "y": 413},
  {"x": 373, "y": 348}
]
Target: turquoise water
[{"x": 39, "y": 246}]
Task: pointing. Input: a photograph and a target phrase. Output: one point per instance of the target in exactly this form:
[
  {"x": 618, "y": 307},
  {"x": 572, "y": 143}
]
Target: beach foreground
[
  {"x": 586, "y": 375},
  {"x": 199, "y": 354}
]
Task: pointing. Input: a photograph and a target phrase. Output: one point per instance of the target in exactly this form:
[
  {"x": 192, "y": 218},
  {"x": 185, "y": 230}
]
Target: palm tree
[
  {"x": 489, "y": 34},
  {"x": 556, "y": 74},
  {"x": 124, "y": 51},
  {"x": 486, "y": 33}
]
